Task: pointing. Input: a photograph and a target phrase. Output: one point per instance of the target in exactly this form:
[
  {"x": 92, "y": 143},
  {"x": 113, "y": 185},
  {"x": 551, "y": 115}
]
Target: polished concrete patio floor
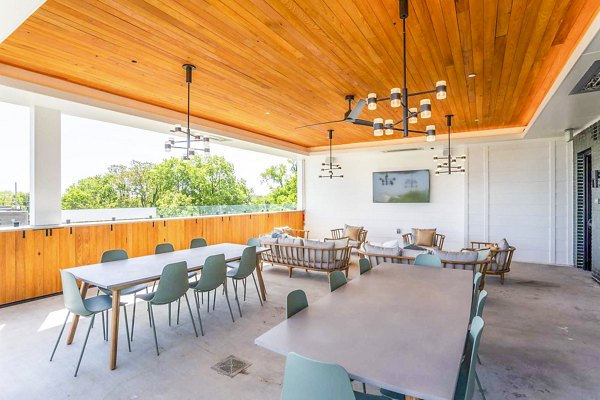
[{"x": 542, "y": 341}]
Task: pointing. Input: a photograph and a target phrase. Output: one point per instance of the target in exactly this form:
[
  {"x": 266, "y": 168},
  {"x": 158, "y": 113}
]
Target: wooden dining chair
[{"x": 83, "y": 308}]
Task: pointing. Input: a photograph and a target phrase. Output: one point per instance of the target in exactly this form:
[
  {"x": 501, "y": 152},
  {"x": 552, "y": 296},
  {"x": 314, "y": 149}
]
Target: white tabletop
[
  {"x": 397, "y": 327},
  {"x": 117, "y": 274}
]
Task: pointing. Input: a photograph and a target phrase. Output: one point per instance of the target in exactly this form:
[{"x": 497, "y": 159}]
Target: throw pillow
[
  {"x": 318, "y": 258},
  {"x": 482, "y": 254},
  {"x": 407, "y": 252},
  {"x": 466, "y": 256},
  {"x": 338, "y": 244},
  {"x": 352, "y": 232},
  {"x": 424, "y": 237}
]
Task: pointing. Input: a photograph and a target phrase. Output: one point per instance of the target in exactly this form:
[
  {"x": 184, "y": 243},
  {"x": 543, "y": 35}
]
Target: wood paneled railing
[{"x": 30, "y": 259}]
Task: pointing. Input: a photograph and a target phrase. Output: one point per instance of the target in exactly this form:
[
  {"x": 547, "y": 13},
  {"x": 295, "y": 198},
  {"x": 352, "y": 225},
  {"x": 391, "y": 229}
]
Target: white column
[
  {"x": 300, "y": 184},
  {"x": 45, "y": 206}
]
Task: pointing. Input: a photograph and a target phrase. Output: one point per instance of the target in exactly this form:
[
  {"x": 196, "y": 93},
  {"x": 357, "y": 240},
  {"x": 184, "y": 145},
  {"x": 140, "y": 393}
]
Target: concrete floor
[{"x": 542, "y": 341}]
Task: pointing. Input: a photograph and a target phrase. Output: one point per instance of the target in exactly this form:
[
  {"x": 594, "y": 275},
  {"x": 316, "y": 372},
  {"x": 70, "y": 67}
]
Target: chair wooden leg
[
  {"x": 347, "y": 272},
  {"x": 60, "y": 335},
  {"x": 502, "y": 279},
  {"x": 290, "y": 272}
]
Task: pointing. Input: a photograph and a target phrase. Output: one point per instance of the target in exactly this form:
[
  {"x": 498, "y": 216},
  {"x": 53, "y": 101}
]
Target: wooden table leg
[
  {"x": 261, "y": 283},
  {"x": 71, "y": 335},
  {"x": 114, "y": 337}
]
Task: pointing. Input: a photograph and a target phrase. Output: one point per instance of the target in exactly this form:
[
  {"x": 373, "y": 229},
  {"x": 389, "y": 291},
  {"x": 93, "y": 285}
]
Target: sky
[{"x": 89, "y": 147}]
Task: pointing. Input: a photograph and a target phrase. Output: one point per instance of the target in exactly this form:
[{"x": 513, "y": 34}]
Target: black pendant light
[
  {"x": 190, "y": 151},
  {"x": 329, "y": 168}
]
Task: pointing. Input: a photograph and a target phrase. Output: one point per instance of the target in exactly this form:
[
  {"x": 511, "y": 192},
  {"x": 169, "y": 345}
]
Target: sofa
[
  {"x": 327, "y": 256},
  {"x": 467, "y": 260}
]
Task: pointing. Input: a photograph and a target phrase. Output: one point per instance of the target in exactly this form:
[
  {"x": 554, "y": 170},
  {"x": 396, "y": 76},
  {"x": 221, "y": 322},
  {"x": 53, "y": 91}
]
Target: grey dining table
[
  {"x": 117, "y": 275},
  {"x": 398, "y": 327}
]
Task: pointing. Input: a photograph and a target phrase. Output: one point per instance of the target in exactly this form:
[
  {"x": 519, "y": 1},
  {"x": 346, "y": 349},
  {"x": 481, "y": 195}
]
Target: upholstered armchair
[
  {"x": 438, "y": 241},
  {"x": 357, "y": 235},
  {"x": 501, "y": 256}
]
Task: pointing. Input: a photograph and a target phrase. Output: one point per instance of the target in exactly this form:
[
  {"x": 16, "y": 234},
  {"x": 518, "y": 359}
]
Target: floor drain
[{"x": 231, "y": 366}]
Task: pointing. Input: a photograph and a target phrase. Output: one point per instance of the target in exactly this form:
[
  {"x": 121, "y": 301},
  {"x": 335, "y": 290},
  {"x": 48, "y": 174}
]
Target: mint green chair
[
  {"x": 476, "y": 282},
  {"x": 296, "y": 302},
  {"x": 83, "y": 308},
  {"x": 172, "y": 286},
  {"x": 428, "y": 260},
  {"x": 309, "y": 379},
  {"x": 198, "y": 242},
  {"x": 467, "y": 376},
  {"x": 162, "y": 248},
  {"x": 364, "y": 265},
  {"x": 118, "y": 255},
  {"x": 336, "y": 279},
  {"x": 241, "y": 270},
  {"x": 480, "y": 305},
  {"x": 214, "y": 275},
  {"x": 253, "y": 242}
]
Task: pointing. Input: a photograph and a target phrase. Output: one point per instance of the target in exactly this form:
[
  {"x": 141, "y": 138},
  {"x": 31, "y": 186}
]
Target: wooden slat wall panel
[{"x": 30, "y": 263}]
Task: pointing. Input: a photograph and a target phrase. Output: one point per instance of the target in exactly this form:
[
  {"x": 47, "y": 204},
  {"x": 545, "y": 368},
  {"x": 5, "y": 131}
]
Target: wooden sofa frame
[
  {"x": 475, "y": 266},
  {"x": 307, "y": 258},
  {"x": 438, "y": 240},
  {"x": 503, "y": 268}
]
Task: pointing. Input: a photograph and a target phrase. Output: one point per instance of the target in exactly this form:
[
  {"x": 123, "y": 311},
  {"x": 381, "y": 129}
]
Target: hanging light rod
[
  {"x": 330, "y": 167},
  {"x": 399, "y": 98},
  {"x": 171, "y": 143}
]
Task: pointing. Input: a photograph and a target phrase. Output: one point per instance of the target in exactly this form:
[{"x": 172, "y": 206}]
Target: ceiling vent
[
  {"x": 400, "y": 150},
  {"x": 590, "y": 81}
]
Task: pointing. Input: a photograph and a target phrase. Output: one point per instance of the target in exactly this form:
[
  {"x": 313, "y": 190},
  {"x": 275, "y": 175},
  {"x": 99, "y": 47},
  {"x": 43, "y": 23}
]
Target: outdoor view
[{"x": 117, "y": 172}]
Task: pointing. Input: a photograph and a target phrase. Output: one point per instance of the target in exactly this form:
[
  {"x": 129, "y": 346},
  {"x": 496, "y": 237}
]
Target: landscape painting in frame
[{"x": 401, "y": 186}]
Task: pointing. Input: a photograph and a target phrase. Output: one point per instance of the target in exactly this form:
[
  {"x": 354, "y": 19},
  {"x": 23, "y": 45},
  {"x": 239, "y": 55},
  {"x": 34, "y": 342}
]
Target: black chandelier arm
[
  {"x": 410, "y": 115},
  {"x": 414, "y": 131},
  {"x": 421, "y": 93}
]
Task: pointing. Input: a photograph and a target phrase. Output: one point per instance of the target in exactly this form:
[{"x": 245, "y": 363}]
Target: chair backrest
[
  {"x": 71, "y": 295},
  {"x": 247, "y": 263},
  {"x": 254, "y": 242},
  {"x": 428, "y": 260},
  {"x": 173, "y": 283},
  {"x": 476, "y": 283},
  {"x": 164, "y": 248},
  {"x": 198, "y": 242},
  {"x": 364, "y": 264},
  {"x": 113, "y": 255},
  {"x": 467, "y": 381},
  {"x": 336, "y": 279},
  {"x": 296, "y": 301},
  {"x": 481, "y": 303},
  {"x": 309, "y": 379},
  {"x": 214, "y": 272}
]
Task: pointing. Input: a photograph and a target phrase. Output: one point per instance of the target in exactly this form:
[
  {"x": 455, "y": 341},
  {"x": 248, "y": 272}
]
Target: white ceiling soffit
[
  {"x": 13, "y": 13},
  {"x": 560, "y": 110},
  {"x": 9, "y": 94}
]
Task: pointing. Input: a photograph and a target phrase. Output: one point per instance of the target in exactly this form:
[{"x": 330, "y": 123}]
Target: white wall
[{"x": 520, "y": 190}]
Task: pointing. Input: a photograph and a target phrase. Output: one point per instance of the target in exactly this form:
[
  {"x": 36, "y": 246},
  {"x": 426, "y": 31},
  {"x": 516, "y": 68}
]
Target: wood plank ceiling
[{"x": 268, "y": 66}]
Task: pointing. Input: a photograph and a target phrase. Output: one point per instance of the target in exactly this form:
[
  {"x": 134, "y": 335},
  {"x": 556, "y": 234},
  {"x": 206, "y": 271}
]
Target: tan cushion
[
  {"x": 424, "y": 237},
  {"x": 352, "y": 232}
]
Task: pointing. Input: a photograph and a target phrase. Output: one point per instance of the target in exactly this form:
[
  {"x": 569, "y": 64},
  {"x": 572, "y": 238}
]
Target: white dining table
[
  {"x": 118, "y": 275},
  {"x": 398, "y": 327}
]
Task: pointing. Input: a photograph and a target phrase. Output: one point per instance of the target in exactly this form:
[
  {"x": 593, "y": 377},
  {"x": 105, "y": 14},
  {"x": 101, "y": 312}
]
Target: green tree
[
  {"x": 8, "y": 199},
  {"x": 282, "y": 181}
]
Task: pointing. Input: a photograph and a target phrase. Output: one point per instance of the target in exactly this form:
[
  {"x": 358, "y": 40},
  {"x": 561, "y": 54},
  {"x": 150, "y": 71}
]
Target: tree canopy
[{"x": 205, "y": 180}]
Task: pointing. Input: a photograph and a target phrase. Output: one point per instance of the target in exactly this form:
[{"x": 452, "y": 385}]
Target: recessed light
[{"x": 471, "y": 75}]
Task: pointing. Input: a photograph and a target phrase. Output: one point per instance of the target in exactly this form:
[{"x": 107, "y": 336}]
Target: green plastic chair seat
[
  {"x": 129, "y": 290},
  {"x": 392, "y": 395},
  {"x": 233, "y": 264},
  {"x": 97, "y": 304},
  {"x": 191, "y": 274},
  {"x": 205, "y": 286},
  {"x": 146, "y": 296},
  {"x": 232, "y": 272}
]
